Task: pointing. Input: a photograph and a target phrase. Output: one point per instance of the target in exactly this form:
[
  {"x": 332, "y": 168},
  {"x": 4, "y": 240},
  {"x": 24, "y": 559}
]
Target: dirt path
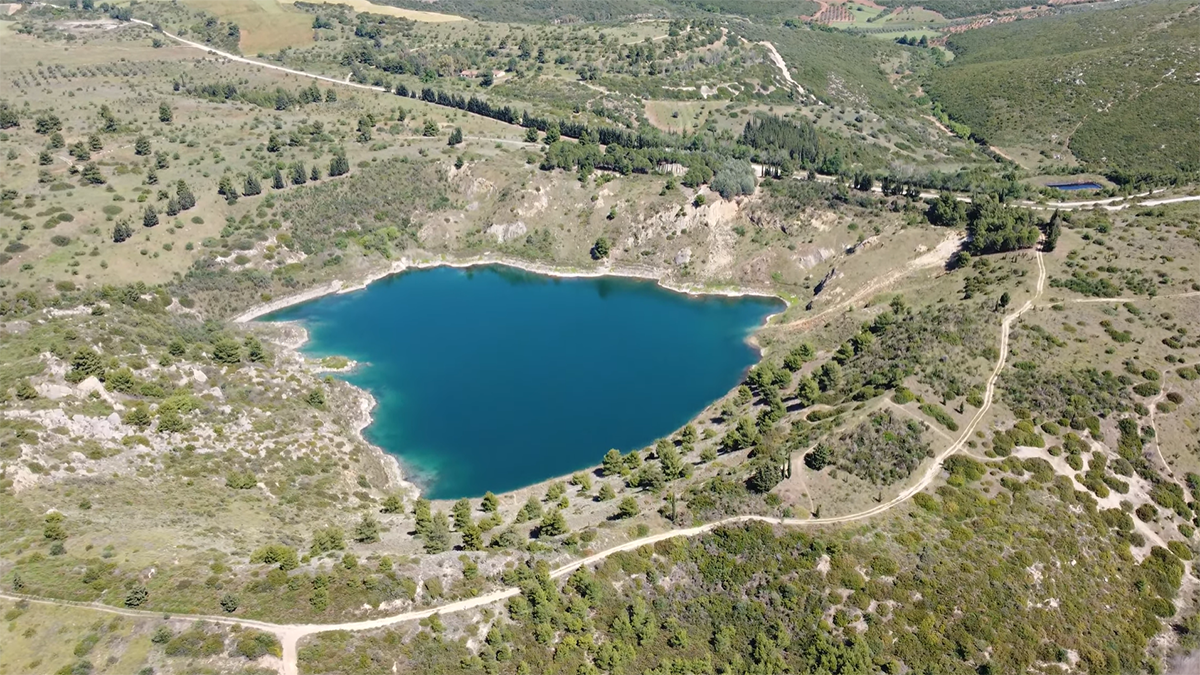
[{"x": 777, "y": 59}]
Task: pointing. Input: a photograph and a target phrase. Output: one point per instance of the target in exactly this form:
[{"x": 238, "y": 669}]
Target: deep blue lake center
[{"x": 492, "y": 378}]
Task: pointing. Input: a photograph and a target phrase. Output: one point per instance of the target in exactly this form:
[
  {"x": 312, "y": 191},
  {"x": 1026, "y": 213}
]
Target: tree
[
  {"x": 229, "y": 601},
  {"x": 141, "y": 147},
  {"x": 600, "y": 249},
  {"x": 164, "y": 113},
  {"x": 91, "y": 175},
  {"x": 490, "y": 503},
  {"x": 628, "y": 508},
  {"x": 8, "y": 117},
  {"x": 392, "y": 504},
  {"x": 315, "y": 173},
  {"x": 553, "y": 524},
  {"x": 110, "y": 124},
  {"x": 423, "y": 515},
  {"x": 613, "y": 463},
  {"x": 149, "y": 217},
  {"x": 330, "y": 95},
  {"x": 225, "y": 187},
  {"x": 472, "y": 537},
  {"x": 122, "y": 231},
  {"x": 1053, "y": 230},
  {"x": 735, "y": 177},
  {"x": 367, "y": 530},
  {"x": 326, "y": 540},
  {"x": 273, "y": 144},
  {"x": 286, "y": 557},
  {"x": 173, "y": 206},
  {"x": 227, "y": 352},
  {"x": 673, "y": 466},
  {"x": 807, "y": 391},
  {"x": 339, "y": 165},
  {"x": 184, "y": 194},
  {"x": 253, "y": 186},
  {"x": 430, "y": 128},
  {"x": 53, "y": 530},
  {"x": 456, "y": 136},
  {"x": 461, "y": 512},
  {"x": 437, "y": 538},
  {"x": 606, "y": 493},
  {"x": 299, "y": 175},
  {"x": 819, "y": 457},
  {"x": 94, "y": 142},
  {"x": 137, "y": 596},
  {"x": 151, "y": 176},
  {"x": 531, "y": 135},
  {"x": 277, "y": 179},
  {"x": 1005, "y": 298},
  {"x": 829, "y": 376},
  {"x": 47, "y": 124},
  {"x": 553, "y": 133},
  {"x": 947, "y": 211},
  {"x": 138, "y": 417},
  {"x": 26, "y": 391}
]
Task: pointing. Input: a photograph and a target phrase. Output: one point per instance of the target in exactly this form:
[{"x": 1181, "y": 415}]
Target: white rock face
[
  {"x": 504, "y": 233},
  {"x": 199, "y": 376},
  {"x": 683, "y": 257}
]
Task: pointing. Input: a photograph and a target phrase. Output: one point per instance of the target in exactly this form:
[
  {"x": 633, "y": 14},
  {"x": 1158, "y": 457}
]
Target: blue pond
[
  {"x": 491, "y": 378},
  {"x": 1077, "y": 186}
]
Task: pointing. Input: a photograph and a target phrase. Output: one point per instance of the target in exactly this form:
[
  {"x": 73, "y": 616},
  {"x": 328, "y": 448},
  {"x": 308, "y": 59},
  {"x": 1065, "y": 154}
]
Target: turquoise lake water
[{"x": 491, "y": 378}]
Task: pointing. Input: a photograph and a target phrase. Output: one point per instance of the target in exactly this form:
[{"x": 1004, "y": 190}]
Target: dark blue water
[
  {"x": 1077, "y": 186},
  {"x": 493, "y": 379}
]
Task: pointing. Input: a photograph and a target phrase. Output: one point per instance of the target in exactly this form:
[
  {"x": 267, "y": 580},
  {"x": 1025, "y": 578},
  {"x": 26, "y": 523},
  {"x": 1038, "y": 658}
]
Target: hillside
[
  {"x": 1108, "y": 88},
  {"x": 963, "y": 440}
]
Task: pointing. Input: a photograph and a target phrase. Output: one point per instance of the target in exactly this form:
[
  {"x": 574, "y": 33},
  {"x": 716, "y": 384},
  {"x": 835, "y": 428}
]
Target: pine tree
[
  {"x": 150, "y": 217},
  {"x": 277, "y": 179},
  {"x": 315, "y": 174},
  {"x": 252, "y": 187},
  {"x": 490, "y": 503},
  {"x": 91, "y": 174},
  {"x": 151, "y": 176},
  {"x": 122, "y": 231},
  {"x": 299, "y": 175},
  {"x": 142, "y": 146},
  {"x": 339, "y": 165},
  {"x": 273, "y": 144},
  {"x": 186, "y": 199},
  {"x": 225, "y": 186},
  {"x": 172, "y": 206},
  {"x": 164, "y": 113},
  {"x": 456, "y": 136}
]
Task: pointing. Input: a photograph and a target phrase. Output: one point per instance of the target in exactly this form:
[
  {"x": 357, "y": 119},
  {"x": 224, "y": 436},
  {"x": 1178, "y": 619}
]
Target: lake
[
  {"x": 492, "y": 378},
  {"x": 1076, "y": 186}
]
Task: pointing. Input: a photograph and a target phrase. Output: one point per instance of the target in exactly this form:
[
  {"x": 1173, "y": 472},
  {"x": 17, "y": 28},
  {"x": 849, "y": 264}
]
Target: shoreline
[
  {"x": 364, "y": 402},
  {"x": 338, "y": 287}
]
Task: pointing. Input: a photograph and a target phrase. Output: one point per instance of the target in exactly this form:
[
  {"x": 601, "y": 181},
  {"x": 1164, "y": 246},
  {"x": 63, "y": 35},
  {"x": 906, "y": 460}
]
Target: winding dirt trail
[{"x": 290, "y": 634}]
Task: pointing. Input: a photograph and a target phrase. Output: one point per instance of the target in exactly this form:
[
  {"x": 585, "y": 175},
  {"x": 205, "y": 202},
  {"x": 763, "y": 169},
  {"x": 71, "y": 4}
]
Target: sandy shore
[{"x": 405, "y": 264}]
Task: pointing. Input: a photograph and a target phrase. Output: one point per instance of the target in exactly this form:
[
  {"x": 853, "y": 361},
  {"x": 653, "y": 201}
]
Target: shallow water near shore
[{"x": 492, "y": 378}]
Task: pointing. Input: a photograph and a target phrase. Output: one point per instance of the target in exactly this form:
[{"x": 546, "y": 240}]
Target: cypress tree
[{"x": 253, "y": 186}]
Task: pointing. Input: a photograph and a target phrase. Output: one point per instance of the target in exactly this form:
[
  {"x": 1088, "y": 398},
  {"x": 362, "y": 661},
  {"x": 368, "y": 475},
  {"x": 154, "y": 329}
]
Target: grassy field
[{"x": 266, "y": 25}]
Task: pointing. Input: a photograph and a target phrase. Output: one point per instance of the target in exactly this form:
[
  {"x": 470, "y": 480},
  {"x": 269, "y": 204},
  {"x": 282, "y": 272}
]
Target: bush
[{"x": 137, "y": 596}]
